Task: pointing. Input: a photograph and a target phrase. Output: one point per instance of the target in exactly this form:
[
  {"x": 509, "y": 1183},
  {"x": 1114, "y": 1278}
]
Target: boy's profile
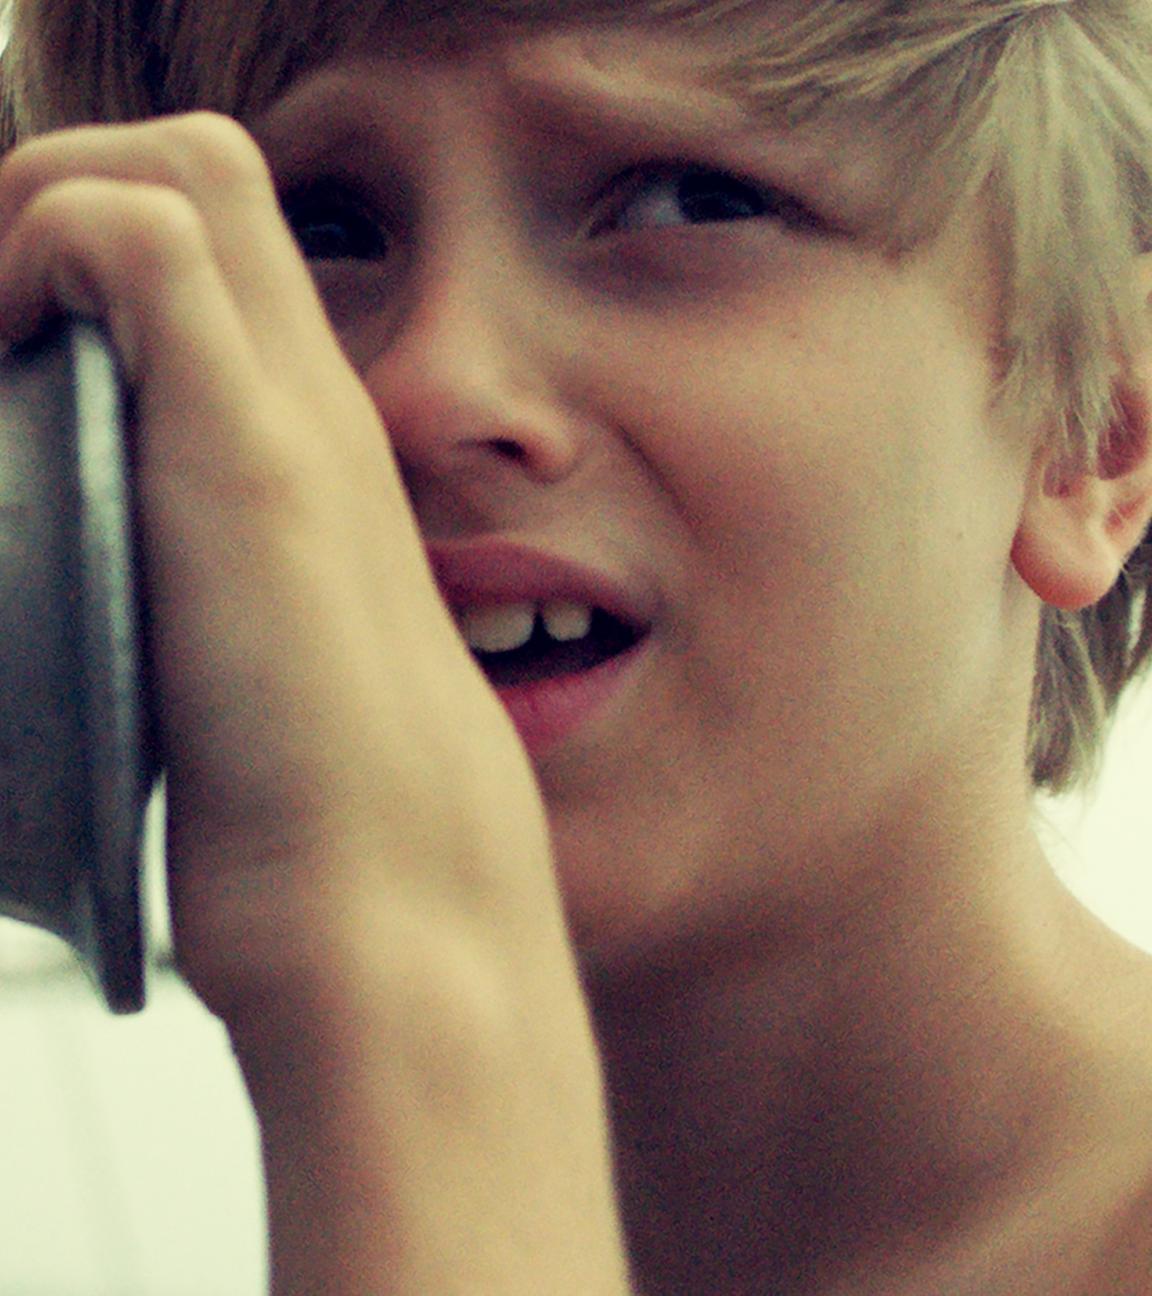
[{"x": 637, "y": 499}]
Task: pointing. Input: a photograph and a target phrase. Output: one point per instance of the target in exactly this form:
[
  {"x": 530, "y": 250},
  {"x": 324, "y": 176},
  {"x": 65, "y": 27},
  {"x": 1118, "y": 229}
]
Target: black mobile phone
[{"x": 77, "y": 763}]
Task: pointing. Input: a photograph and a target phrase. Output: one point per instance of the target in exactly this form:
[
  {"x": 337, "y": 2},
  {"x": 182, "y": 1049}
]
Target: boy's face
[{"x": 609, "y": 318}]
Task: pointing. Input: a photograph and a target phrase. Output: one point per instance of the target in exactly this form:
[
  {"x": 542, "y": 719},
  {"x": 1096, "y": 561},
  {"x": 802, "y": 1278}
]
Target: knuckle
[
  {"x": 215, "y": 150},
  {"x": 161, "y": 216},
  {"x": 147, "y": 227},
  {"x": 159, "y": 229},
  {"x": 61, "y": 212},
  {"x": 29, "y": 166}
]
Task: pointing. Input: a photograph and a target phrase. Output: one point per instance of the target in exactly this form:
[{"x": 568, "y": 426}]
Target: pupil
[
  {"x": 707, "y": 198},
  {"x": 323, "y": 242},
  {"x": 331, "y": 226}
]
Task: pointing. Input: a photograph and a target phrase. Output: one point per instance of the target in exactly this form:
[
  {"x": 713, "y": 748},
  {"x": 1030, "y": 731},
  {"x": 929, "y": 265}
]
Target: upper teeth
[
  {"x": 509, "y": 626},
  {"x": 566, "y": 622}
]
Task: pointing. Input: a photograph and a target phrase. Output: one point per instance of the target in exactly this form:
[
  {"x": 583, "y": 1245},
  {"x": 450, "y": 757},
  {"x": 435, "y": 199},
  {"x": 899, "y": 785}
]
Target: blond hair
[{"x": 1042, "y": 106}]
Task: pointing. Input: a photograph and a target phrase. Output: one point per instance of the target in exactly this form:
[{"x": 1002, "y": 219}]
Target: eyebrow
[
  {"x": 576, "y": 99},
  {"x": 569, "y": 103},
  {"x": 847, "y": 179},
  {"x": 582, "y": 97}
]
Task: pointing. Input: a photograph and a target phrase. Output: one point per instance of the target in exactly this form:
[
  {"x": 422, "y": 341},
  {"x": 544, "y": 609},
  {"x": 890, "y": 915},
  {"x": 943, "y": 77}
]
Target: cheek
[
  {"x": 844, "y": 509},
  {"x": 850, "y": 509},
  {"x": 848, "y": 429}
]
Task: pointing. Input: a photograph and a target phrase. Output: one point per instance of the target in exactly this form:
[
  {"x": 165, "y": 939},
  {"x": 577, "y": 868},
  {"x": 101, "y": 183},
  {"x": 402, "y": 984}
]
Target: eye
[
  {"x": 332, "y": 223},
  {"x": 666, "y": 196}
]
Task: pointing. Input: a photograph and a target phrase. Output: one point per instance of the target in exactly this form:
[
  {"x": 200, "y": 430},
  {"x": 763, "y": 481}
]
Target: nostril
[{"x": 508, "y": 449}]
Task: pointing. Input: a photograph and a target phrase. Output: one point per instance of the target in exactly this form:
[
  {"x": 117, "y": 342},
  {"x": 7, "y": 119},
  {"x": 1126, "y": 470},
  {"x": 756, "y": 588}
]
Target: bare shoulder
[
  {"x": 1080, "y": 1220},
  {"x": 1124, "y": 1264},
  {"x": 1124, "y": 1267}
]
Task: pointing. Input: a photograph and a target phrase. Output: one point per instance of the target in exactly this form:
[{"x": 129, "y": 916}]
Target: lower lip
[{"x": 548, "y": 711}]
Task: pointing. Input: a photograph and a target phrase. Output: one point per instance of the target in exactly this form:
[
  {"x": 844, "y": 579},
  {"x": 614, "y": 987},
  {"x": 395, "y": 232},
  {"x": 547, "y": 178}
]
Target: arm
[{"x": 361, "y": 879}]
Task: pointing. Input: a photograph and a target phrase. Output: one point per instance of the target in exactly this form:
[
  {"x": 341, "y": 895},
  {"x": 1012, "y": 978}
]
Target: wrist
[
  {"x": 318, "y": 917},
  {"x": 453, "y": 1106}
]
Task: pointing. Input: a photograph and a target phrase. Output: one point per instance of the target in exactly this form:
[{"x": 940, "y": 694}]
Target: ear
[{"x": 1078, "y": 528}]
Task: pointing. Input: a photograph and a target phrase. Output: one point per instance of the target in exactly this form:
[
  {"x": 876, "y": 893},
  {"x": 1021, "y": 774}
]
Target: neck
[{"x": 874, "y": 1084}]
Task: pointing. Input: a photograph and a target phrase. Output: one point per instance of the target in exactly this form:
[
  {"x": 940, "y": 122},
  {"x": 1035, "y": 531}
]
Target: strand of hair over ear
[{"x": 1031, "y": 8}]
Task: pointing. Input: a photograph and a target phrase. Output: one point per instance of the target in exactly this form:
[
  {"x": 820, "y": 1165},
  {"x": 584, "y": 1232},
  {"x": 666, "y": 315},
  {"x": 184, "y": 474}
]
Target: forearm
[{"x": 424, "y": 1134}]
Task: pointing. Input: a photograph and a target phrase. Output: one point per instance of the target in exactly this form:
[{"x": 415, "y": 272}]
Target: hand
[
  {"x": 311, "y": 687},
  {"x": 361, "y": 879}
]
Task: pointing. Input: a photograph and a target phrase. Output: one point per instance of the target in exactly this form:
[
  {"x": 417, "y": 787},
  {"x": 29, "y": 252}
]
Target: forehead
[
  {"x": 640, "y": 69},
  {"x": 758, "y": 44},
  {"x": 788, "y": 62},
  {"x": 752, "y": 59},
  {"x": 633, "y": 88},
  {"x": 445, "y": 21}
]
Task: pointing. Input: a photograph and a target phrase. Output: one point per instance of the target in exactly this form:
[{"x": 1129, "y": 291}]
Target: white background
[{"x": 128, "y": 1157}]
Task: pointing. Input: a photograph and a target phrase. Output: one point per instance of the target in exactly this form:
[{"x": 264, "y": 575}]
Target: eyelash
[
  {"x": 698, "y": 184},
  {"x": 332, "y": 221}
]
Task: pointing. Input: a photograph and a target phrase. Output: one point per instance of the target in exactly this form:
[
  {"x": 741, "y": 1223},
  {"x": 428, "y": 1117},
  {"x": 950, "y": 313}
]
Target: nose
[{"x": 469, "y": 382}]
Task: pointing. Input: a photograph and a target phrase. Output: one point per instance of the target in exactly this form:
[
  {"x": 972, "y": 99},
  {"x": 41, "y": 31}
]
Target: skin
[{"x": 775, "y": 918}]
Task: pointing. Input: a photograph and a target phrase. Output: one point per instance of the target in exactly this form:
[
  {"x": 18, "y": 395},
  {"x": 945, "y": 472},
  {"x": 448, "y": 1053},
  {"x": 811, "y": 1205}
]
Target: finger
[
  {"x": 144, "y": 257},
  {"x": 236, "y": 476},
  {"x": 217, "y": 427},
  {"x": 243, "y": 443},
  {"x": 215, "y": 164},
  {"x": 137, "y": 255}
]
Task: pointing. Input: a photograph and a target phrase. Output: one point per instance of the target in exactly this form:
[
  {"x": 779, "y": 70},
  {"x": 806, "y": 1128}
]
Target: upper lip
[{"x": 485, "y": 573}]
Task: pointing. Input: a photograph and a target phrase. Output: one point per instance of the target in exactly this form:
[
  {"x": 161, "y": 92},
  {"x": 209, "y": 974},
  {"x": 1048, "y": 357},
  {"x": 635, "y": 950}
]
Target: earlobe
[
  {"x": 1078, "y": 529},
  {"x": 1080, "y": 525},
  {"x": 1060, "y": 552}
]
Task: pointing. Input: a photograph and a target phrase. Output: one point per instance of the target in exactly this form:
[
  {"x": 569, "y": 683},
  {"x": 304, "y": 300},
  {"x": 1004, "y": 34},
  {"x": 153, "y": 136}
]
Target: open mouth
[{"x": 527, "y": 644}]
